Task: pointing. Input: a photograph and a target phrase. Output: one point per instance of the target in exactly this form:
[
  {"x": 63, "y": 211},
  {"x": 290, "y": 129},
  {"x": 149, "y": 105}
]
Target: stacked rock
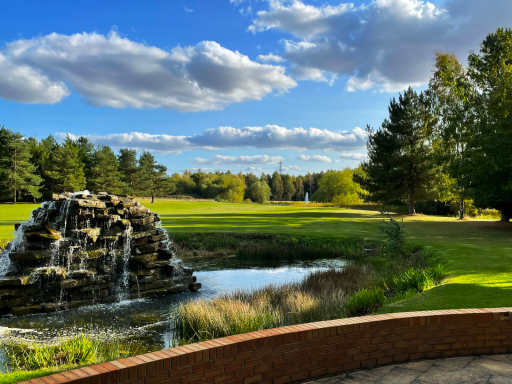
[{"x": 82, "y": 249}]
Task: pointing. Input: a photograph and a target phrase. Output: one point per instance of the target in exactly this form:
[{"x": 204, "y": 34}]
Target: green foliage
[
  {"x": 105, "y": 175},
  {"x": 153, "y": 179},
  {"x": 365, "y": 302},
  {"x": 70, "y": 352},
  {"x": 417, "y": 280},
  {"x": 394, "y": 233},
  {"x": 338, "y": 187},
  {"x": 288, "y": 187},
  {"x": 64, "y": 171},
  {"x": 129, "y": 169},
  {"x": 276, "y": 186},
  {"x": 18, "y": 175},
  {"x": 400, "y": 165},
  {"x": 259, "y": 192}
]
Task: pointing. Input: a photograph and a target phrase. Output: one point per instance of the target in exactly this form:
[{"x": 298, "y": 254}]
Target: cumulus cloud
[
  {"x": 116, "y": 72},
  {"x": 270, "y": 57},
  {"x": 384, "y": 45},
  {"x": 269, "y": 136},
  {"x": 353, "y": 156},
  {"x": 23, "y": 83},
  {"x": 315, "y": 158},
  {"x": 239, "y": 160},
  {"x": 292, "y": 168}
]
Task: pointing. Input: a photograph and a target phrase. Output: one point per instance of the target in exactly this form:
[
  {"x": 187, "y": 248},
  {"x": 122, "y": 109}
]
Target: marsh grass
[
  {"x": 320, "y": 296},
  {"x": 75, "y": 351}
]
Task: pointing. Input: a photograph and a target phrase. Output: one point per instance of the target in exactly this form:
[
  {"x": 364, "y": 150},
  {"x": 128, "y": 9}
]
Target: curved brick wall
[{"x": 301, "y": 352}]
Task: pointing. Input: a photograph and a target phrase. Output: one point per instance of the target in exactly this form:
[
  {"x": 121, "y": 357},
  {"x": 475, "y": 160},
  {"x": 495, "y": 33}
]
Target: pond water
[{"x": 147, "y": 320}]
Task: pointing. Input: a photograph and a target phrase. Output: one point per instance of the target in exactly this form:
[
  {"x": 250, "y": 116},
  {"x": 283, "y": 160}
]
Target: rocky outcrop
[{"x": 82, "y": 249}]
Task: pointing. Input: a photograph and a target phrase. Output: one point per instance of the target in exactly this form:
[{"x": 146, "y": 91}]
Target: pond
[{"x": 147, "y": 320}]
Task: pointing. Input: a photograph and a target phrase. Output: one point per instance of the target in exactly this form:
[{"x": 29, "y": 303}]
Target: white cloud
[
  {"x": 117, "y": 72},
  {"x": 269, "y": 136},
  {"x": 247, "y": 11},
  {"x": 24, "y": 84},
  {"x": 270, "y": 57},
  {"x": 237, "y": 2},
  {"x": 315, "y": 158},
  {"x": 188, "y": 10},
  {"x": 385, "y": 45},
  {"x": 292, "y": 168},
  {"x": 239, "y": 160},
  {"x": 354, "y": 156}
]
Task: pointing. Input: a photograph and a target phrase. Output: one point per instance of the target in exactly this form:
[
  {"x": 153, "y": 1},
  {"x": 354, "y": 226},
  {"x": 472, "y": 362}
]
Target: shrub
[
  {"x": 418, "y": 279},
  {"x": 365, "y": 302},
  {"x": 394, "y": 233}
]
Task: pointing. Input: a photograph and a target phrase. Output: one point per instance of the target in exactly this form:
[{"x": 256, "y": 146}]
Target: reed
[
  {"x": 75, "y": 351},
  {"x": 320, "y": 296}
]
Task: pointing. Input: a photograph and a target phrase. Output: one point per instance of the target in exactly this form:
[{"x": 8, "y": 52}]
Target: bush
[
  {"x": 418, "y": 279},
  {"x": 395, "y": 234},
  {"x": 365, "y": 302}
]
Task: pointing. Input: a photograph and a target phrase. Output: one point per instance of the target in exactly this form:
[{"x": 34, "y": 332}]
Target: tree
[
  {"x": 400, "y": 165},
  {"x": 288, "y": 187},
  {"x": 64, "y": 171},
  {"x": 129, "y": 169},
  {"x": 153, "y": 180},
  {"x": 338, "y": 187},
  {"x": 299, "y": 189},
  {"x": 232, "y": 188},
  {"x": 259, "y": 192},
  {"x": 105, "y": 175},
  {"x": 40, "y": 151},
  {"x": 277, "y": 186},
  {"x": 17, "y": 174},
  {"x": 489, "y": 152},
  {"x": 454, "y": 95},
  {"x": 86, "y": 152}
]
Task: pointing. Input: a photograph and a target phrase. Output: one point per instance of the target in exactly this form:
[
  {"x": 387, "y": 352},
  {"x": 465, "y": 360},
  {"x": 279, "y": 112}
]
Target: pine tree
[
  {"x": 64, "y": 171},
  {"x": 277, "y": 186},
  {"x": 128, "y": 166},
  {"x": 400, "y": 165},
  {"x": 153, "y": 180},
  {"x": 40, "y": 151},
  {"x": 105, "y": 175},
  {"x": 18, "y": 175}
]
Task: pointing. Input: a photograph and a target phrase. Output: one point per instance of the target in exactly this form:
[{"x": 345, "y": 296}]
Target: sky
[{"x": 226, "y": 84}]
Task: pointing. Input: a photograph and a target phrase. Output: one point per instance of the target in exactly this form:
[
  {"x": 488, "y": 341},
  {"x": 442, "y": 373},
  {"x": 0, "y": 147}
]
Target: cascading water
[{"x": 81, "y": 249}]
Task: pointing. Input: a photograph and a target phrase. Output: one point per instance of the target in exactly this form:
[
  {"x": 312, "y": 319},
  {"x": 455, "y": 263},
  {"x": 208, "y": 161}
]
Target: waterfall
[
  {"x": 306, "y": 200},
  {"x": 124, "y": 280}
]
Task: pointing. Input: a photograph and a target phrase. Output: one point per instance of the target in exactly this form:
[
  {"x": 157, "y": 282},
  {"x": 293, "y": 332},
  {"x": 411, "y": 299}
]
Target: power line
[{"x": 281, "y": 167}]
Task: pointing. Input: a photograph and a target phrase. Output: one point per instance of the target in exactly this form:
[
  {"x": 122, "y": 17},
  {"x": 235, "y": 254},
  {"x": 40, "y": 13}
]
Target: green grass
[
  {"x": 476, "y": 254},
  {"x": 19, "y": 376}
]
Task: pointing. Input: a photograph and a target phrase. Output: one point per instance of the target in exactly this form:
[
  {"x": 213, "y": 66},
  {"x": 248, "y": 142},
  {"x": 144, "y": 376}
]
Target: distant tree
[
  {"x": 153, "y": 180},
  {"x": 64, "y": 171},
  {"x": 264, "y": 178},
  {"x": 299, "y": 189},
  {"x": 129, "y": 169},
  {"x": 259, "y": 192},
  {"x": 250, "y": 179},
  {"x": 277, "y": 187},
  {"x": 400, "y": 165},
  {"x": 233, "y": 188},
  {"x": 105, "y": 175},
  {"x": 288, "y": 187},
  {"x": 338, "y": 187},
  {"x": 86, "y": 153},
  {"x": 40, "y": 151},
  {"x": 17, "y": 174}
]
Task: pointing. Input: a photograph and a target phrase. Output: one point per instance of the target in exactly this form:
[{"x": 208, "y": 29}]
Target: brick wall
[{"x": 306, "y": 351}]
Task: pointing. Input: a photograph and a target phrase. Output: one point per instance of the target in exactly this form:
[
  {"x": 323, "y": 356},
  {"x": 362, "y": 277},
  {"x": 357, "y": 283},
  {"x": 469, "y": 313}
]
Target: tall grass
[
  {"x": 320, "y": 296},
  {"x": 69, "y": 352}
]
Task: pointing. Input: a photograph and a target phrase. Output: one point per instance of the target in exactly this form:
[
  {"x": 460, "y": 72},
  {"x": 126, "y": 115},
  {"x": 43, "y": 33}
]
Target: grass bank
[{"x": 476, "y": 253}]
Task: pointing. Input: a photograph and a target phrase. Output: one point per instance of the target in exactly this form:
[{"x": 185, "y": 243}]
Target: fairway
[{"x": 476, "y": 254}]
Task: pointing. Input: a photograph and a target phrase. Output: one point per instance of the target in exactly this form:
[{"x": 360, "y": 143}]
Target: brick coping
[{"x": 298, "y": 353}]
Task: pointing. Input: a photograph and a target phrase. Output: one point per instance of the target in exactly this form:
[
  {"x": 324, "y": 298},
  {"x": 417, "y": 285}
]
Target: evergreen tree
[
  {"x": 299, "y": 189},
  {"x": 400, "y": 165},
  {"x": 288, "y": 187},
  {"x": 128, "y": 166},
  {"x": 17, "y": 174},
  {"x": 153, "y": 180},
  {"x": 40, "y": 151},
  {"x": 105, "y": 175},
  {"x": 64, "y": 171},
  {"x": 277, "y": 186}
]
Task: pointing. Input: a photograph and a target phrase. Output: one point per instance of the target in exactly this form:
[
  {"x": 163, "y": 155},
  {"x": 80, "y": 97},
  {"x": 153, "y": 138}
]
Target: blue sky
[{"x": 106, "y": 69}]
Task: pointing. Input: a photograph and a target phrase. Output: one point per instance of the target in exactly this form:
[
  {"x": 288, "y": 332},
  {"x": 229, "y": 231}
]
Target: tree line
[
  {"x": 451, "y": 142},
  {"x": 31, "y": 169}
]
